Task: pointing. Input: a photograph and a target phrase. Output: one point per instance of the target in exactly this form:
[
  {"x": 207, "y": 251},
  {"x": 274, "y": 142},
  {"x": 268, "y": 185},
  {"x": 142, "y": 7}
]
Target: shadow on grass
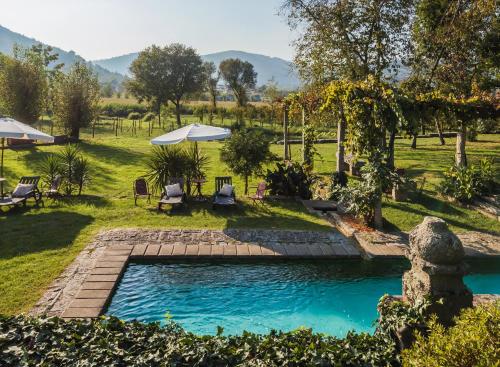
[
  {"x": 109, "y": 153},
  {"x": 440, "y": 209},
  {"x": 88, "y": 200},
  {"x": 246, "y": 215},
  {"x": 26, "y": 230}
]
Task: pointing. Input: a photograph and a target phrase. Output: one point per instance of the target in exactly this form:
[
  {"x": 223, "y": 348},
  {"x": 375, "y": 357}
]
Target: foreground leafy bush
[
  {"x": 465, "y": 183},
  {"x": 473, "y": 341},
  {"x": 28, "y": 341}
]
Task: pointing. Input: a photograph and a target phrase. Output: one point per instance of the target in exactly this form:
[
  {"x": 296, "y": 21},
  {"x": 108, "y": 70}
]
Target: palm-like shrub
[
  {"x": 70, "y": 164},
  {"x": 172, "y": 161}
]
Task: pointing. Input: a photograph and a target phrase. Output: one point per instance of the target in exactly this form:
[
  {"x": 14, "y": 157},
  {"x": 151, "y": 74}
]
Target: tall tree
[
  {"x": 184, "y": 74},
  {"x": 212, "y": 77},
  {"x": 24, "y": 82},
  {"x": 455, "y": 51},
  {"x": 150, "y": 80},
  {"x": 239, "y": 76},
  {"x": 76, "y": 98},
  {"x": 348, "y": 39}
]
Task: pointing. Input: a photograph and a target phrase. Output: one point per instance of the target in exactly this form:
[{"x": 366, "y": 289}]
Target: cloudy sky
[{"x": 98, "y": 29}]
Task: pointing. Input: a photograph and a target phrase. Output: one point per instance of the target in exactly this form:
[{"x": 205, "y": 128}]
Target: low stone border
[
  {"x": 375, "y": 244},
  {"x": 87, "y": 285}
]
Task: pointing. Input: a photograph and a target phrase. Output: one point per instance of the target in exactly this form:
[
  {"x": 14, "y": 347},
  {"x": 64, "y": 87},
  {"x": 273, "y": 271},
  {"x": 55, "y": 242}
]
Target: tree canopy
[
  {"x": 348, "y": 39},
  {"x": 76, "y": 98},
  {"x": 162, "y": 74},
  {"x": 239, "y": 76}
]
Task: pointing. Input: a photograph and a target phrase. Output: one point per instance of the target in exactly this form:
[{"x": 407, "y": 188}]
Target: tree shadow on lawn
[
  {"x": 247, "y": 215},
  {"x": 88, "y": 200},
  {"x": 442, "y": 208},
  {"x": 24, "y": 231},
  {"x": 112, "y": 154}
]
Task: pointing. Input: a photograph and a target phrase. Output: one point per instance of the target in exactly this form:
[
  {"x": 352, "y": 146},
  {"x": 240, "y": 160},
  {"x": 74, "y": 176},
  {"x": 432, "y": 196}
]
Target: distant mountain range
[
  {"x": 267, "y": 68},
  {"x": 9, "y": 38},
  {"x": 114, "y": 70}
]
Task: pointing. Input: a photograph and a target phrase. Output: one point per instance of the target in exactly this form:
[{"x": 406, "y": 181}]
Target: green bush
[
  {"x": 134, "y": 116},
  {"x": 465, "y": 183},
  {"x": 290, "y": 179},
  {"x": 361, "y": 198},
  {"x": 149, "y": 116},
  {"x": 70, "y": 164},
  {"x": 122, "y": 110},
  {"x": 26, "y": 341},
  {"x": 245, "y": 153},
  {"x": 473, "y": 341}
]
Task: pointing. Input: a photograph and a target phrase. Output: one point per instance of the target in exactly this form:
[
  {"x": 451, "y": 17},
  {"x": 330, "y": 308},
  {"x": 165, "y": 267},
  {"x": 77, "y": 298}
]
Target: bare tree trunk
[
  {"x": 440, "y": 132},
  {"x": 414, "y": 142},
  {"x": 285, "y": 133},
  {"x": 460, "y": 155},
  {"x": 341, "y": 126},
  {"x": 178, "y": 113},
  {"x": 377, "y": 215},
  {"x": 304, "y": 158},
  {"x": 390, "y": 158}
]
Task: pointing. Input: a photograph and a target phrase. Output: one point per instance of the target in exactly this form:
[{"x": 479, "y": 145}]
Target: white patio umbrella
[
  {"x": 193, "y": 132},
  {"x": 10, "y": 128}
]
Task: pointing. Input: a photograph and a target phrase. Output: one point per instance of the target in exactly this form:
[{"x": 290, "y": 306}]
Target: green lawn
[{"x": 37, "y": 244}]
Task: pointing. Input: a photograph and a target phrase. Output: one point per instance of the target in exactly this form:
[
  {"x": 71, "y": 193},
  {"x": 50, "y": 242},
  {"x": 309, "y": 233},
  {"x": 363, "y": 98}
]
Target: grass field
[{"x": 37, "y": 244}]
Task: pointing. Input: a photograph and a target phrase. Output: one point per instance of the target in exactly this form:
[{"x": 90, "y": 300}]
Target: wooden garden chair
[
  {"x": 53, "y": 190},
  {"x": 260, "y": 194},
  {"x": 141, "y": 189}
]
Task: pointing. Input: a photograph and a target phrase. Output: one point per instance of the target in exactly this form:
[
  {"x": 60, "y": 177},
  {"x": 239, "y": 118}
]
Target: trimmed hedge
[
  {"x": 26, "y": 341},
  {"x": 122, "y": 110}
]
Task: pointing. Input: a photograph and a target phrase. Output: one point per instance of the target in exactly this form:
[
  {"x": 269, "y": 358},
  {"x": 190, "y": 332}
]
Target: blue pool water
[{"x": 330, "y": 297}]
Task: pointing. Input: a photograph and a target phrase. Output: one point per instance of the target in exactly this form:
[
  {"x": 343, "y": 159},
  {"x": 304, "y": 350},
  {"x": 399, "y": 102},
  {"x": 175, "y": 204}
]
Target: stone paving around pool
[
  {"x": 377, "y": 244},
  {"x": 86, "y": 286}
]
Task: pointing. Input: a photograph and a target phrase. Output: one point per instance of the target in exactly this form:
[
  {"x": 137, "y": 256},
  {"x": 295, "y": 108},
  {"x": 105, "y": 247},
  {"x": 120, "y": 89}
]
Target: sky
[{"x": 97, "y": 29}]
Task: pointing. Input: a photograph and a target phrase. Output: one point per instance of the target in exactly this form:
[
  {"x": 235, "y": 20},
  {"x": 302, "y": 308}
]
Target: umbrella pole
[{"x": 1, "y": 168}]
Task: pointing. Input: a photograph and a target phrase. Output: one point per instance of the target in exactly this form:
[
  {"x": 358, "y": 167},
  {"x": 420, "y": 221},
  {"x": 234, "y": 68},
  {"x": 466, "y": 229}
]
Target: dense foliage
[
  {"x": 473, "y": 341},
  {"x": 25, "y": 81},
  {"x": 168, "y": 162},
  {"x": 121, "y": 109},
  {"x": 53, "y": 342},
  {"x": 466, "y": 183},
  {"x": 245, "y": 153},
  {"x": 76, "y": 98},
  {"x": 239, "y": 76},
  {"x": 162, "y": 74},
  {"x": 290, "y": 179}
]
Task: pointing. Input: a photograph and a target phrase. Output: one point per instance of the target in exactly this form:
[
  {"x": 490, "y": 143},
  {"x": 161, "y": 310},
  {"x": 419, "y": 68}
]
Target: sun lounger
[
  {"x": 220, "y": 198},
  {"x": 175, "y": 199},
  {"x": 26, "y": 189}
]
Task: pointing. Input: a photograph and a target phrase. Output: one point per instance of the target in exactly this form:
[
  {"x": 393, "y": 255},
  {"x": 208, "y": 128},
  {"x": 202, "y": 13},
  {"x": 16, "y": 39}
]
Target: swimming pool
[{"x": 332, "y": 297}]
